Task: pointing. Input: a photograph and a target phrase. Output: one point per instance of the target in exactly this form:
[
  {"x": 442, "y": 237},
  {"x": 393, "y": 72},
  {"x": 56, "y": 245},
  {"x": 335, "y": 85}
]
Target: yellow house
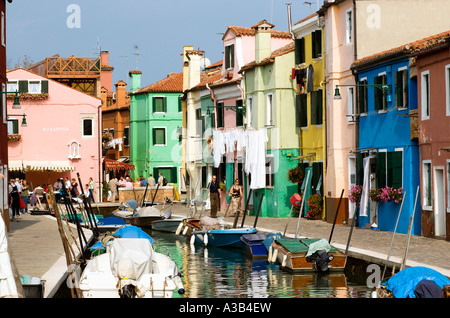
[{"x": 310, "y": 101}]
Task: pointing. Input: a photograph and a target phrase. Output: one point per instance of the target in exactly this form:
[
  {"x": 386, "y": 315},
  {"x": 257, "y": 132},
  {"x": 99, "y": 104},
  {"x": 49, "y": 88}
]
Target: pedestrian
[
  {"x": 128, "y": 182},
  {"x": 91, "y": 186},
  {"x": 113, "y": 184},
  {"x": 160, "y": 179},
  {"x": 235, "y": 201},
  {"x": 143, "y": 182},
  {"x": 18, "y": 184},
  {"x": 74, "y": 188},
  {"x": 151, "y": 180},
  {"x": 214, "y": 195},
  {"x": 25, "y": 194},
  {"x": 57, "y": 190},
  {"x": 122, "y": 182},
  {"x": 14, "y": 204}
]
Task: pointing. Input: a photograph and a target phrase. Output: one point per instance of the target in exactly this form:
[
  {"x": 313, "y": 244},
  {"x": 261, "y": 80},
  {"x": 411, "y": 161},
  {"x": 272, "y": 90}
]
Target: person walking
[
  {"x": 151, "y": 180},
  {"x": 91, "y": 190},
  {"x": 113, "y": 184},
  {"x": 214, "y": 195},
  {"x": 235, "y": 201},
  {"x": 14, "y": 204},
  {"x": 25, "y": 194}
]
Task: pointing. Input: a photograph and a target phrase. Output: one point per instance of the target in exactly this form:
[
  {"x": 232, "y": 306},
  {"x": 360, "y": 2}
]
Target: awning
[
  {"x": 55, "y": 166},
  {"x": 111, "y": 165}
]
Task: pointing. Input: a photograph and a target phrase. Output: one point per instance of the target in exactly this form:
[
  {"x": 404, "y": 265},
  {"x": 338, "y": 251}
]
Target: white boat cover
[
  {"x": 8, "y": 288},
  {"x": 149, "y": 211}
]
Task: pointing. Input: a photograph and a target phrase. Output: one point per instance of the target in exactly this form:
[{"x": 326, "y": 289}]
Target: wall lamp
[
  {"x": 383, "y": 87},
  {"x": 24, "y": 119},
  {"x": 16, "y": 104}
]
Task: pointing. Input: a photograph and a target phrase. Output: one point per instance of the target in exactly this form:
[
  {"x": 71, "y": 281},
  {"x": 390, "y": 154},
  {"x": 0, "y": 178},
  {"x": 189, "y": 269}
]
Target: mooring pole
[{"x": 335, "y": 216}]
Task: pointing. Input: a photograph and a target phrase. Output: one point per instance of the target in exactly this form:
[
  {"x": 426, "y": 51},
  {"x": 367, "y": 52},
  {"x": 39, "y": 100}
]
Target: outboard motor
[
  {"x": 321, "y": 260},
  {"x": 127, "y": 279}
]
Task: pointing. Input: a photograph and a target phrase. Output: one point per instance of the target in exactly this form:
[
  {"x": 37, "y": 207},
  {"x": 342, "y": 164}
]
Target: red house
[
  {"x": 433, "y": 120},
  {"x": 3, "y": 118}
]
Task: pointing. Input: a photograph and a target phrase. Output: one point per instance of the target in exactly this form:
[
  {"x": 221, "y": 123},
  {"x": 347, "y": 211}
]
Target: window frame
[
  {"x": 349, "y": 27},
  {"x": 381, "y": 93},
  {"x": 363, "y": 81},
  {"x": 270, "y": 170},
  {"x": 351, "y": 105},
  {"x": 14, "y": 126},
  {"x": 427, "y": 188},
  {"x": 91, "y": 118},
  {"x": 164, "y": 104},
  {"x": 154, "y": 136},
  {"x": 447, "y": 89},
  {"x": 404, "y": 89},
  {"x": 229, "y": 57},
  {"x": 249, "y": 113},
  {"x": 423, "y": 99},
  {"x": 269, "y": 110}
]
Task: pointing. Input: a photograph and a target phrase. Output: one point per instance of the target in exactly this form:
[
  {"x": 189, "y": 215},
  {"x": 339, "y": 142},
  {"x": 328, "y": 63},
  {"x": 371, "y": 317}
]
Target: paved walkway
[{"x": 38, "y": 251}]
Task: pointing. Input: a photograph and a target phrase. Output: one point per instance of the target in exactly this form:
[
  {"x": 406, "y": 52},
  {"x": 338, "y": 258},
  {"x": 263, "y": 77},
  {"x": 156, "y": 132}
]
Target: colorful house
[
  {"x": 52, "y": 114},
  {"x": 432, "y": 122},
  {"x": 387, "y": 156},
  {"x": 340, "y": 119},
  {"x": 155, "y": 127},
  {"x": 309, "y": 76}
]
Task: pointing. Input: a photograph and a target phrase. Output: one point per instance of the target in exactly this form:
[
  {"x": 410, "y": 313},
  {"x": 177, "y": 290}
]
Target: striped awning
[{"x": 56, "y": 166}]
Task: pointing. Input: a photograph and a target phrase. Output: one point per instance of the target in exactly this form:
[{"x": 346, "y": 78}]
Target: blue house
[{"x": 387, "y": 100}]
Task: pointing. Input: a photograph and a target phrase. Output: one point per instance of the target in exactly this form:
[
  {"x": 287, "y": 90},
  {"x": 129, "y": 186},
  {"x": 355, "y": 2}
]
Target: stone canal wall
[{"x": 127, "y": 194}]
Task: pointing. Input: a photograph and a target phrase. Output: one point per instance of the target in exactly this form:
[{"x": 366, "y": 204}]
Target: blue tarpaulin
[{"x": 404, "y": 283}]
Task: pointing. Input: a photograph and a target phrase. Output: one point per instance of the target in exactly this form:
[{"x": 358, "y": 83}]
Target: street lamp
[
  {"x": 24, "y": 119},
  {"x": 16, "y": 104}
]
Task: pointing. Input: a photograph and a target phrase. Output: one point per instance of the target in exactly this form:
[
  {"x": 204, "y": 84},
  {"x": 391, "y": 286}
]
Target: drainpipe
[
  {"x": 213, "y": 99},
  {"x": 290, "y": 20}
]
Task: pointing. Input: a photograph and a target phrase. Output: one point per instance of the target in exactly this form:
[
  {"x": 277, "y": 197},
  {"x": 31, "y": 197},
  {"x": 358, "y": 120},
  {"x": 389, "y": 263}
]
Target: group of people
[
  {"x": 215, "y": 195},
  {"x": 72, "y": 188},
  {"x": 19, "y": 197}
]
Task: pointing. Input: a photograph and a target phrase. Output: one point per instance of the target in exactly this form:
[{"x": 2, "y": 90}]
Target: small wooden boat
[
  {"x": 256, "y": 245},
  {"x": 145, "y": 216},
  {"x": 301, "y": 255},
  {"x": 130, "y": 268},
  {"x": 221, "y": 238},
  {"x": 167, "y": 224}
]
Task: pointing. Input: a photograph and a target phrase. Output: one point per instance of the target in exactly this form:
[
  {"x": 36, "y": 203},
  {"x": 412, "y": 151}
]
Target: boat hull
[
  {"x": 295, "y": 260},
  {"x": 144, "y": 221},
  {"x": 167, "y": 225},
  {"x": 254, "y": 246},
  {"x": 222, "y": 238}
]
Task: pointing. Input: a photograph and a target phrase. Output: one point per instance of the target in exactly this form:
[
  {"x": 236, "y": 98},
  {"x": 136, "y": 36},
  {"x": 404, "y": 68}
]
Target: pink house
[{"x": 55, "y": 133}]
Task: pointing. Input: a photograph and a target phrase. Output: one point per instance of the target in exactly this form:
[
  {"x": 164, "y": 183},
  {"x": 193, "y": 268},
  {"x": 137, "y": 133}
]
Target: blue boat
[
  {"x": 257, "y": 245},
  {"x": 414, "y": 282},
  {"x": 222, "y": 238},
  {"x": 110, "y": 223}
]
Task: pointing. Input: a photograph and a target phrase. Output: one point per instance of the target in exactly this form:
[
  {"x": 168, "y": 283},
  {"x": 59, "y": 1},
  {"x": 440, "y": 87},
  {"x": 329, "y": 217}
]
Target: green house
[{"x": 155, "y": 127}]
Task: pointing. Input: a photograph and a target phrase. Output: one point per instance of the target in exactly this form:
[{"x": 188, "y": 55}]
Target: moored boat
[
  {"x": 308, "y": 254},
  {"x": 257, "y": 246},
  {"x": 221, "y": 238},
  {"x": 130, "y": 268}
]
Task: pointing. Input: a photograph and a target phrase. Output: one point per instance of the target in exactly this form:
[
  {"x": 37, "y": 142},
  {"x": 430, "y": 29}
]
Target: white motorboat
[{"x": 130, "y": 268}]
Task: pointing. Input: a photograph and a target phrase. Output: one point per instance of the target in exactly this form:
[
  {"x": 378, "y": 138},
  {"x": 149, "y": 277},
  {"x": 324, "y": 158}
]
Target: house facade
[
  {"x": 432, "y": 66},
  {"x": 155, "y": 124},
  {"x": 340, "y": 115},
  {"x": 309, "y": 77},
  {"x": 52, "y": 114},
  {"x": 387, "y": 156}
]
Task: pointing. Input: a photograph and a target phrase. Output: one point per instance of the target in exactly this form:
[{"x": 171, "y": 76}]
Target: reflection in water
[{"x": 227, "y": 273}]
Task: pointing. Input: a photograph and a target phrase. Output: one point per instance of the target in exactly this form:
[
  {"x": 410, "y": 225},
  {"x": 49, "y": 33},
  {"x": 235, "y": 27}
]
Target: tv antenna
[
  {"x": 137, "y": 56},
  {"x": 98, "y": 49},
  {"x": 306, "y": 2}
]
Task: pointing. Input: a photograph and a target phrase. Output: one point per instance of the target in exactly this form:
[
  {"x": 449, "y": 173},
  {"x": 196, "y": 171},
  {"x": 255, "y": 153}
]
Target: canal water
[{"x": 211, "y": 272}]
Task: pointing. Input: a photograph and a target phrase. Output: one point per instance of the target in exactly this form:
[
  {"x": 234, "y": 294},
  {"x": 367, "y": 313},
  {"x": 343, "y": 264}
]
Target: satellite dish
[{"x": 204, "y": 62}]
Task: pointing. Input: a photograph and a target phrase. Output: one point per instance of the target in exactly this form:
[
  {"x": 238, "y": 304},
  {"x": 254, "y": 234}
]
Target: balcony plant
[
  {"x": 354, "y": 195},
  {"x": 14, "y": 137},
  {"x": 295, "y": 175}
]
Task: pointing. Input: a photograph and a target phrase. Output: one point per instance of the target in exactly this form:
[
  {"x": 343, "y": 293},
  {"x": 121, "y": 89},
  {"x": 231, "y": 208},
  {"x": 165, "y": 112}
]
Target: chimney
[
  {"x": 186, "y": 67},
  {"x": 262, "y": 40},
  {"x": 194, "y": 67},
  {"x": 135, "y": 81},
  {"x": 121, "y": 93},
  {"x": 104, "y": 56},
  {"x": 106, "y": 71}
]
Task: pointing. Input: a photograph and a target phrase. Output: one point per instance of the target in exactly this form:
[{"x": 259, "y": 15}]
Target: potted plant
[
  {"x": 315, "y": 204},
  {"x": 105, "y": 191},
  {"x": 295, "y": 175},
  {"x": 354, "y": 195},
  {"x": 14, "y": 137}
]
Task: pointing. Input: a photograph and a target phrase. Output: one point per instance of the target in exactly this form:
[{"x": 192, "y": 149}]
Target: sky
[{"x": 159, "y": 29}]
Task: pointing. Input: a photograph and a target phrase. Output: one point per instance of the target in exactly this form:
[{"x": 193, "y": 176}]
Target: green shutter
[
  {"x": 301, "y": 110},
  {"x": 362, "y": 97},
  {"x": 399, "y": 89},
  {"x": 164, "y": 101},
  {"x": 174, "y": 174},
  {"x": 406, "y": 89},
  {"x": 300, "y": 51},
  {"x": 381, "y": 169},
  {"x": 318, "y": 44},
  {"x": 359, "y": 168},
  {"x": 154, "y": 136},
  {"x": 313, "y": 45},
  {"x": 239, "y": 114},
  {"x": 378, "y": 93},
  {"x": 394, "y": 169},
  {"x": 23, "y": 86},
  {"x": 232, "y": 55},
  {"x": 44, "y": 87},
  {"x": 316, "y": 107}
]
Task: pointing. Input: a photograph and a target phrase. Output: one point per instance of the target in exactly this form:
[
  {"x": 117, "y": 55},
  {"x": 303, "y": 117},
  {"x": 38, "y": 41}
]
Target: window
[
  {"x": 170, "y": 173},
  {"x": 300, "y": 51},
  {"x": 88, "y": 127},
  {"x": 426, "y": 180},
  {"x": 351, "y": 105},
  {"x": 13, "y": 126},
  {"x": 270, "y": 168},
  {"x": 199, "y": 122},
  {"x": 12, "y": 86},
  {"x": 3, "y": 29},
  {"x": 180, "y": 104},
  {"x": 301, "y": 106},
  {"x": 159, "y": 136},
  {"x": 220, "y": 110},
  {"x": 447, "y": 88},
  {"x": 389, "y": 169},
  {"x": 229, "y": 56},
  {"x": 34, "y": 87},
  {"x": 425, "y": 94},
  {"x": 239, "y": 113},
  {"x": 126, "y": 136},
  {"x": 269, "y": 109},
  {"x": 316, "y": 107},
  {"x": 159, "y": 105},
  {"x": 362, "y": 96},
  {"x": 380, "y": 94},
  {"x": 316, "y": 44},
  {"x": 348, "y": 27},
  {"x": 249, "y": 112},
  {"x": 401, "y": 88}
]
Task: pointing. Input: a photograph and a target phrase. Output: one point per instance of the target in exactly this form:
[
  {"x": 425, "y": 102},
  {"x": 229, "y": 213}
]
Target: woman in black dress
[{"x": 15, "y": 204}]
